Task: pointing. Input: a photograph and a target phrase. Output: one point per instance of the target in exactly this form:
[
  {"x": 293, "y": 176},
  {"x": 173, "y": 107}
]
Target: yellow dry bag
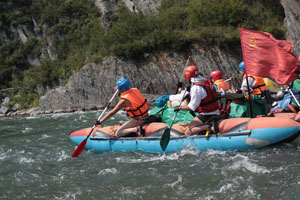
[{"x": 270, "y": 84}]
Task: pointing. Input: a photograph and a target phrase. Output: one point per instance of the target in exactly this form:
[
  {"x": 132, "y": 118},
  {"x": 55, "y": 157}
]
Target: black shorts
[
  {"x": 205, "y": 118},
  {"x": 151, "y": 118}
]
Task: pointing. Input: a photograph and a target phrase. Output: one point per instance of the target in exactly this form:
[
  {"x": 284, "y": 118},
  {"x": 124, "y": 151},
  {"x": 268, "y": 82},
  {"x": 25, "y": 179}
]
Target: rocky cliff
[
  {"x": 292, "y": 22},
  {"x": 106, "y": 8},
  {"x": 94, "y": 84}
]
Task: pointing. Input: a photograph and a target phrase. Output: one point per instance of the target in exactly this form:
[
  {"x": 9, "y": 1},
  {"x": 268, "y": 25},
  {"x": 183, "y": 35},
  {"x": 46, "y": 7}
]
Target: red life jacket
[{"x": 210, "y": 102}]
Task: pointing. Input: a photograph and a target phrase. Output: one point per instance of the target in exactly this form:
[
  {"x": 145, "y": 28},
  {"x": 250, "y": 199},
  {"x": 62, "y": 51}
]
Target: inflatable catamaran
[{"x": 233, "y": 134}]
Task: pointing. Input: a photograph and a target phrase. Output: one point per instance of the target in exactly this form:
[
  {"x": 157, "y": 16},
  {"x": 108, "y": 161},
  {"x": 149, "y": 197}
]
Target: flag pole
[
  {"x": 248, "y": 88},
  {"x": 249, "y": 93},
  {"x": 297, "y": 102}
]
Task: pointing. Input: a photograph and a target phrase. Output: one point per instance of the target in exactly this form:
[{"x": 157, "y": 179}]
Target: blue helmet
[
  {"x": 123, "y": 85},
  {"x": 242, "y": 66}
]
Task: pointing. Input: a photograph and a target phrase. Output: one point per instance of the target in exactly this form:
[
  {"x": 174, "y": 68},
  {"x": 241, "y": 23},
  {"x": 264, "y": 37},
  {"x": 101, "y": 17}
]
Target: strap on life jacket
[
  {"x": 138, "y": 109},
  {"x": 259, "y": 86},
  {"x": 209, "y": 102}
]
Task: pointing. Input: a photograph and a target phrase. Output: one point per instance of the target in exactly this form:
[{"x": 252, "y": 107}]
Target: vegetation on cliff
[{"x": 79, "y": 37}]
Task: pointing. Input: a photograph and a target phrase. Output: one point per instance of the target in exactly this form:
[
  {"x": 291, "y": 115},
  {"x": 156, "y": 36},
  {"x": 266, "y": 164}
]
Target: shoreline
[{"x": 35, "y": 111}]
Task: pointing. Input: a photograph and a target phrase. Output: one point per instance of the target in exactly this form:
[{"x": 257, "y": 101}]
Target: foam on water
[
  {"x": 23, "y": 160},
  {"x": 250, "y": 191},
  {"x": 27, "y": 130},
  {"x": 68, "y": 195},
  {"x": 179, "y": 180},
  {"x": 44, "y": 136},
  {"x": 189, "y": 150},
  {"x": 145, "y": 158},
  {"x": 60, "y": 115},
  {"x": 5, "y": 155},
  {"x": 32, "y": 117},
  {"x": 225, "y": 188},
  {"x": 108, "y": 171},
  {"x": 243, "y": 162},
  {"x": 129, "y": 191},
  {"x": 62, "y": 156}
]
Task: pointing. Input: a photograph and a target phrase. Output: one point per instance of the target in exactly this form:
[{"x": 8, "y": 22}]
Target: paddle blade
[
  {"x": 165, "y": 138},
  {"x": 79, "y": 148}
]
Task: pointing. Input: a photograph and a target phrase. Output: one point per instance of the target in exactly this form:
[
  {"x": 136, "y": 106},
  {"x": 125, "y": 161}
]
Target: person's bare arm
[
  {"x": 185, "y": 107},
  {"x": 119, "y": 106},
  {"x": 232, "y": 85}
]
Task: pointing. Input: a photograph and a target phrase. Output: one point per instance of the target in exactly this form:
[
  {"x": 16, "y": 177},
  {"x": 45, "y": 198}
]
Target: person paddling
[
  {"x": 203, "y": 100},
  {"x": 134, "y": 103}
]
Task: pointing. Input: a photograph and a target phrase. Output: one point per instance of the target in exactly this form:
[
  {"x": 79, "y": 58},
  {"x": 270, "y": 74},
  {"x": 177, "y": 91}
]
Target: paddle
[
  {"x": 81, "y": 146},
  {"x": 165, "y": 138},
  {"x": 181, "y": 76},
  {"x": 297, "y": 102}
]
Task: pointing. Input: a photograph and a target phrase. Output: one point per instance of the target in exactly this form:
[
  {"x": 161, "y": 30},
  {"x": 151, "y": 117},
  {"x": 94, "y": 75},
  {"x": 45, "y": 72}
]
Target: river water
[{"x": 36, "y": 163}]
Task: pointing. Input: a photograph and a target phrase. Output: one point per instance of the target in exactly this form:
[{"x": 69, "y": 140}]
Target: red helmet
[
  {"x": 190, "y": 72},
  {"x": 216, "y": 75}
]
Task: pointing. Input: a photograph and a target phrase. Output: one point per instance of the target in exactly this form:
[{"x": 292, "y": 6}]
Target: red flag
[{"x": 267, "y": 57}]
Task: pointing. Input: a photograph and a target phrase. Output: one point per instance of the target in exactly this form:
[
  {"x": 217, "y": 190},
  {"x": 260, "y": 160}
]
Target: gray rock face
[
  {"x": 3, "y": 109},
  {"x": 94, "y": 83},
  {"x": 292, "y": 22},
  {"x": 106, "y": 8},
  {"x": 24, "y": 32}
]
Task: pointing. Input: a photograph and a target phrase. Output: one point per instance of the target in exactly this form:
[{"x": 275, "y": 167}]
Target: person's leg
[
  {"x": 128, "y": 127},
  {"x": 196, "y": 126},
  {"x": 109, "y": 130}
]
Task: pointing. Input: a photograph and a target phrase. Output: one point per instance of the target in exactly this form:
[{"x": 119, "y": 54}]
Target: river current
[{"x": 36, "y": 163}]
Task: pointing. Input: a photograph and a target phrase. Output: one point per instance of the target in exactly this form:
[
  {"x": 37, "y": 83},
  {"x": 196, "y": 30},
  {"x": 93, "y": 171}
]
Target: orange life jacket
[
  {"x": 259, "y": 85},
  {"x": 139, "y": 104},
  {"x": 221, "y": 84},
  {"x": 210, "y": 102}
]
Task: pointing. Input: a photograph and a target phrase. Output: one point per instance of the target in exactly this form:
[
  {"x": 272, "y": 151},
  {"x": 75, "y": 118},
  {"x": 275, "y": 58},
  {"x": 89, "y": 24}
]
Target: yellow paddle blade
[{"x": 207, "y": 133}]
